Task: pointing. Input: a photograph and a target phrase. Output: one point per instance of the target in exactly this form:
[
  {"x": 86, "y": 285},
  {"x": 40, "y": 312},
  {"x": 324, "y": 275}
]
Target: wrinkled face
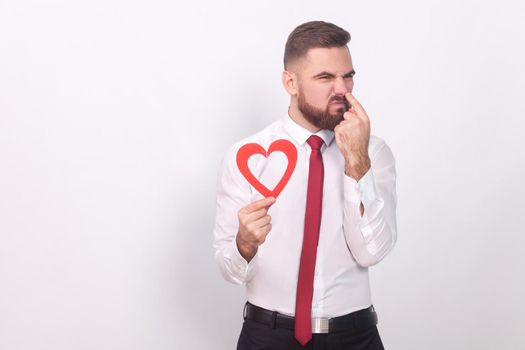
[{"x": 324, "y": 76}]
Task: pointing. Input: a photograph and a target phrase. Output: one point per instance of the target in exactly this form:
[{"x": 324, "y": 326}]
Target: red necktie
[{"x": 312, "y": 223}]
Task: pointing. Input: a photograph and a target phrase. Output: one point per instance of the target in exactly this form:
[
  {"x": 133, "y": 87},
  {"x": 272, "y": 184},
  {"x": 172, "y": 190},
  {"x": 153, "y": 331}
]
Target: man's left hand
[{"x": 352, "y": 136}]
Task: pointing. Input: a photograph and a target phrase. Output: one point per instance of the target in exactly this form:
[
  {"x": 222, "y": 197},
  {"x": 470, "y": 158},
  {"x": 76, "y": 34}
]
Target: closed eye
[{"x": 326, "y": 75}]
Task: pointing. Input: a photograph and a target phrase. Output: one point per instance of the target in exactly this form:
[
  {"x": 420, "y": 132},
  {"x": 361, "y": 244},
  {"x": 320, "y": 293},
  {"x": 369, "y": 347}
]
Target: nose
[{"x": 340, "y": 87}]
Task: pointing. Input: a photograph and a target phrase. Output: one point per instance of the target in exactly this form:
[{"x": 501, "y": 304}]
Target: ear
[{"x": 290, "y": 82}]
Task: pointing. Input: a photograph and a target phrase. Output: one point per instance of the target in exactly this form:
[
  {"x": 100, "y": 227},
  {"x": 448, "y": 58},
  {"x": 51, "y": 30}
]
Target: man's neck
[{"x": 298, "y": 117}]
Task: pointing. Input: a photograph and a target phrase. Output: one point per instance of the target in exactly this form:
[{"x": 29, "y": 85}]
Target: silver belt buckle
[{"x": 320, "y": 325}]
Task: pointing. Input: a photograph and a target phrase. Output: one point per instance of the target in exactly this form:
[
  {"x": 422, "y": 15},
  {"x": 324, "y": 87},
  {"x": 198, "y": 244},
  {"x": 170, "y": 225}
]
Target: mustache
[{"x": 340, "y": 99}]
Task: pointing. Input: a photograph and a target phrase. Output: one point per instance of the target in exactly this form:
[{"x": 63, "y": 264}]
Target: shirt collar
[{"x": 300, "y": 134}]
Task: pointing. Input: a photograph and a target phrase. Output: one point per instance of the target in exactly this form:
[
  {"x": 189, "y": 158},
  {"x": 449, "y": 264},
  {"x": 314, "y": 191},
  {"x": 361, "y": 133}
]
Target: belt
[{"x": 357, "y": 320}]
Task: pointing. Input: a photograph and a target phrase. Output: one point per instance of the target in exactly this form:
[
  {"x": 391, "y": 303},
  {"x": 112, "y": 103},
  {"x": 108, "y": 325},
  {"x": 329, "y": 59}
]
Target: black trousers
[{"x": 258, "y": 336}]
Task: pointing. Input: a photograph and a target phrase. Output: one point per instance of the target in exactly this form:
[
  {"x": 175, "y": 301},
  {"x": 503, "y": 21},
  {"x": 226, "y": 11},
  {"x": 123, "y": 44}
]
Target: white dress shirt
[{"x": 348, "y": 242}]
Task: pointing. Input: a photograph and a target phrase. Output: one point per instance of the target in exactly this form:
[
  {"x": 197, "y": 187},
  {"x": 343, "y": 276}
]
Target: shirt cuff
[
  {"x": 363, "y": 190},
  {"x": 239, "y": 265}
]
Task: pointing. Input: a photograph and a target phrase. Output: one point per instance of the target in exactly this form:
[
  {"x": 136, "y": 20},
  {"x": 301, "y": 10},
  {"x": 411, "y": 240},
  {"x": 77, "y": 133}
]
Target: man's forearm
[
  {"x": 247, "y": 251},
  {"x": 357, "y": 166}
]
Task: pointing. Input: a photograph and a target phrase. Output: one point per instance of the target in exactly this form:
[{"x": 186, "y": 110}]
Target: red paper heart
[{"x": 248, "y": 150}]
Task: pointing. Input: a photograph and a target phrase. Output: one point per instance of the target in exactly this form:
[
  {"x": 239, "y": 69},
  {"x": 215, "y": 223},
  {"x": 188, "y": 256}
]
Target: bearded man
[{"x": 304, "y": 256}]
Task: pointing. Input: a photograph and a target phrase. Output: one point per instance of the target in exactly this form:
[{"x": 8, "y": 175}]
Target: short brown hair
[{"x": 314, "y": 34}]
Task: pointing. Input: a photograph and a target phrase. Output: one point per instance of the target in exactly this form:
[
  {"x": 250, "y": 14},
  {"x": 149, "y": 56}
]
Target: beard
[{"x": 323, "y": 119}]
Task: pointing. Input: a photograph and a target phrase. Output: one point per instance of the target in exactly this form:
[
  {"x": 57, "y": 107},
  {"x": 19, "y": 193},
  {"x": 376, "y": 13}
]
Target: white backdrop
[{"x": 114, "y": 116}]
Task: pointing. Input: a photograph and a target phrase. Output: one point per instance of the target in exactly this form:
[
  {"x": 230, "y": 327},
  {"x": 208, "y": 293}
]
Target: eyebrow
[{"x": 347, "y": 75}]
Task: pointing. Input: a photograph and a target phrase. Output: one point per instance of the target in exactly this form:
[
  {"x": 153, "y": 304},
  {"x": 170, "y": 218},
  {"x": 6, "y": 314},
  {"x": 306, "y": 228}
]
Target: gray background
[{"x": 114, "y": 116}]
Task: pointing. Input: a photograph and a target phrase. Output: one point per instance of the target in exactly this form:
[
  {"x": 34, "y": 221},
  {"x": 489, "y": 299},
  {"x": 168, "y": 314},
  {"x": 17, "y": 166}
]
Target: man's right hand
[{"x": 254, "y": 226}]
